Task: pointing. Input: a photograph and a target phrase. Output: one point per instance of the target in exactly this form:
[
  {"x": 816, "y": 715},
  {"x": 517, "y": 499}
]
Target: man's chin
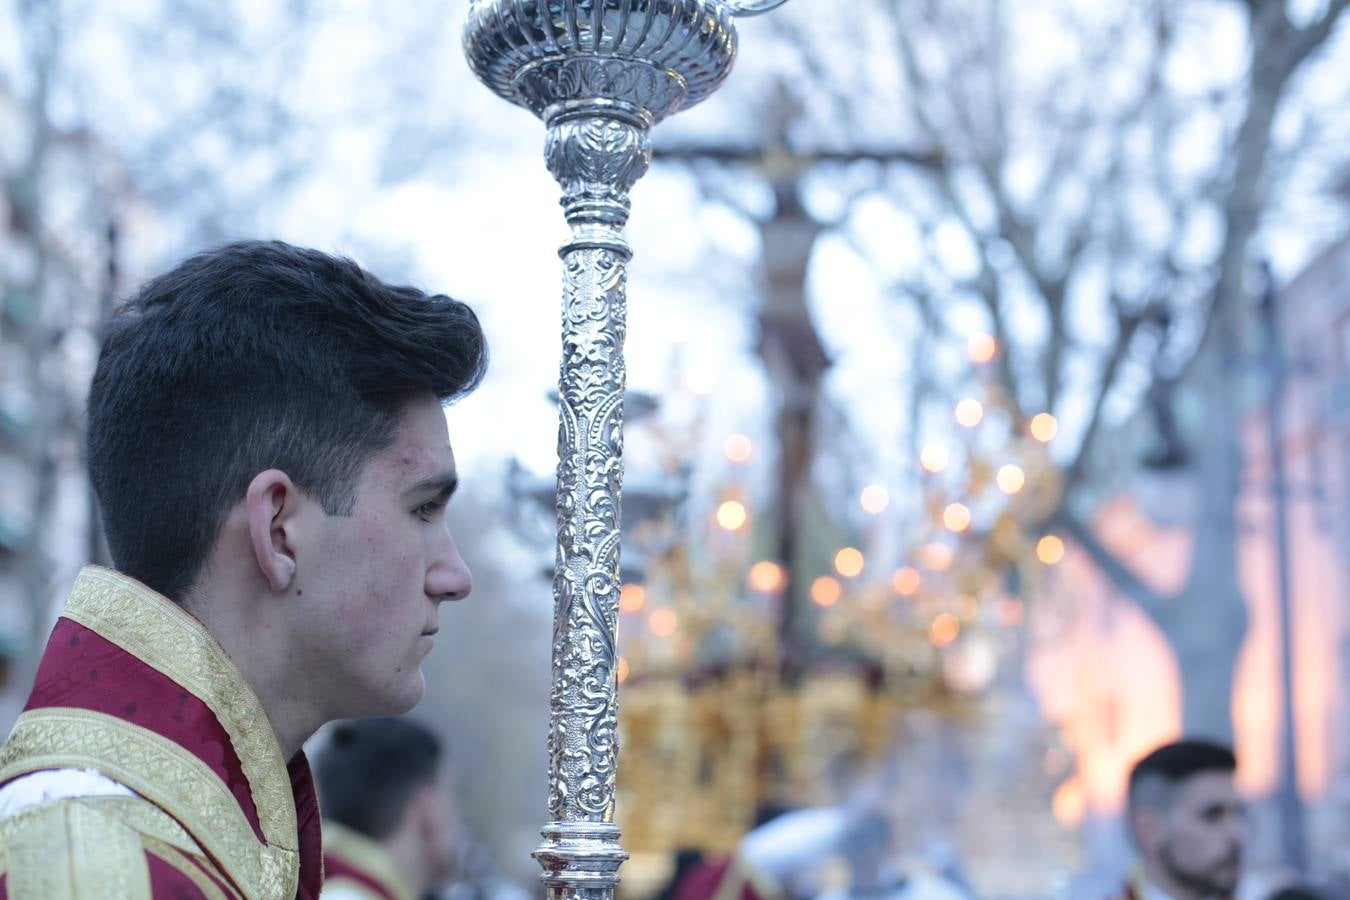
[
  {"x": 412, "y": 696},
  {"x": 1225, "y": 879},
  {"x": 395, "y": 700}
]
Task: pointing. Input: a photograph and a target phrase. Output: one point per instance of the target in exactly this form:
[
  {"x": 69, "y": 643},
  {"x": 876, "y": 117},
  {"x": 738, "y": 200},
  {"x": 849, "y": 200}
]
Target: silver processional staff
[{"x": 600, "y": 73}]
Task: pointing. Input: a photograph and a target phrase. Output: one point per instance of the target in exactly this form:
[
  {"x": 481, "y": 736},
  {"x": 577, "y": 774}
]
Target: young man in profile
[
  {"x": 388, "y": 829},
  {"x": 270, "y": 453},
  {"x": 1188, "y": 823}
]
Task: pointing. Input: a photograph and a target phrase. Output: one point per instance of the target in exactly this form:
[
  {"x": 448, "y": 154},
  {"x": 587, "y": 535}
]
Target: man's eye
[{"x": 427, "y": 511}]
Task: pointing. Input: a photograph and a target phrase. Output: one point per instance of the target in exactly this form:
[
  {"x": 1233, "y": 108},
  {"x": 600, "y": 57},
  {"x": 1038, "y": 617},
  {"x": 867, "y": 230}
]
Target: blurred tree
[
  {"x": 1107, "y": 175},
  {"x": 54, "y": 240},
  {"x": 98, "y": 132},
  {"x": 132, "y": 135},
  {"x": 1108, "y": 178}
]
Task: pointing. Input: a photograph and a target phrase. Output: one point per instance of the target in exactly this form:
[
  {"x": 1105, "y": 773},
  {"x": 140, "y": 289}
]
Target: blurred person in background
[
  {"x": 1188, "y": 823},
  {"x": 790, "y": 854},
  {"x": 268, "y": 442},
  {"x": 779, "y": 857},
  {"x": 868, "y": 849},
  {"x": 388, "y": 828},
  {"x": 687, "y": 860}
]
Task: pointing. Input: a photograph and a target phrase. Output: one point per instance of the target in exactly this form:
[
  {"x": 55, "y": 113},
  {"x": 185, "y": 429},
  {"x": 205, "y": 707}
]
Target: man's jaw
[{"x": 1206, "y": 883}]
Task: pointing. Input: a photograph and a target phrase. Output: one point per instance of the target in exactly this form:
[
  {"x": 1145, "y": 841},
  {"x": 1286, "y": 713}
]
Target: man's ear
[
  {"x": 422, "y": 806},
  {"x": 271, "y": 503},
  {"x": 1144, "y": 825}
]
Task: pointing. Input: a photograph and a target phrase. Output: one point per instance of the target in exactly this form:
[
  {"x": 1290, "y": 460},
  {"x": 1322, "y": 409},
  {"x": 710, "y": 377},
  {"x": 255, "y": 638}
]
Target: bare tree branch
[
  {"x": 1152, "y": 602},
  {"x": 1127, "y": 325},
  {"x": 1308, "y": 38}
]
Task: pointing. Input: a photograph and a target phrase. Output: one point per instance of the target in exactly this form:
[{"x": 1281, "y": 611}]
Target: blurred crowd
[{"x": 391, "y": 832}]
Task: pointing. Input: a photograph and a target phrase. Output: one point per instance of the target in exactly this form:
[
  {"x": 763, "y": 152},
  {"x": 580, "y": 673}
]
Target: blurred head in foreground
[{"x": 387, "y": 816}]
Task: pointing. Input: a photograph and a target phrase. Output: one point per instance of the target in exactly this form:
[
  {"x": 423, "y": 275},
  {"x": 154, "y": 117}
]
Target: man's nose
[{"x": 448, "y": 577}]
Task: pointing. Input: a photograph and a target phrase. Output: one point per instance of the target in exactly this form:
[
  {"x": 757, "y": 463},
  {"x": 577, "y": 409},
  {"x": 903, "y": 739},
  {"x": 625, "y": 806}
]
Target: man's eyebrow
[{"x": 443, "y": 483}]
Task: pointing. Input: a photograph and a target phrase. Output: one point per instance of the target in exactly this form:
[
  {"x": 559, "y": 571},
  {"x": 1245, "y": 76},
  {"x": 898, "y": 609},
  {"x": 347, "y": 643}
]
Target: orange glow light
[
  {"x": 906, "y": 581},
  {"x": 826, "y": 591},
  {"x": 623, "y": 670},
  {"x": 1044, "y": 427},
  {"x": 935, "y": 457},
  {"x": 767, "y": 576},
  {"x": 738, "y": 448},
  {"x": 632, "y": 597},
  {"x": 848, "y": 562},
  {"x": 1011, "y": 479},
  {"x": 731, "y": 515},
  {"x": 663, "y": 622},
  {"x": 1069, "y": 803},
  {"x": 956, "y": 517},
  {"x": 875, "y": 499},
  {"x": 969, "y": 412},
  {"x": 937, "y": 557},
  {"x": 1049, "y": 549},
  {"x": 981, "y": 348},
  {"x": 944, "y": 630}
]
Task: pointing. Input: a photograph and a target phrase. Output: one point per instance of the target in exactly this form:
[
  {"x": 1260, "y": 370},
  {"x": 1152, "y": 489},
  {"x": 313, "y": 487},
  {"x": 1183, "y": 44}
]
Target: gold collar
[
  {"x": 360, "y": 852},
  {"x": 164, "y": 636}
]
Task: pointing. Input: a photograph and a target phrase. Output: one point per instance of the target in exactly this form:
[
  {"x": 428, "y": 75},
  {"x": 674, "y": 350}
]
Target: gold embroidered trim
[
  {"x": 163, "y": 635},
  {"x": 146, "y": 818},
  {"x": 162, "y": 772},
  {"x": 365, "y": 854},
  {"x": 67, "y": 850},
  {"x": 177, "y": 859}
]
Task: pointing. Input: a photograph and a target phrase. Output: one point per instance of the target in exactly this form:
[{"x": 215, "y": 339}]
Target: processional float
[{"x": 600, "y": 73}]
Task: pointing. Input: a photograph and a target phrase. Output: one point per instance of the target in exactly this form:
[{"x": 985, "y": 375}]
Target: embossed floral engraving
[
  {"x": 596, "y": 159},
  {"x": 660, "y": 91}
]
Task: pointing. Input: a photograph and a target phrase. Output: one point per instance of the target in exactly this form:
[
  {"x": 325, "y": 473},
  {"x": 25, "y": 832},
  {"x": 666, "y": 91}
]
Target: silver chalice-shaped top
[{"x": 655, "y": 55}]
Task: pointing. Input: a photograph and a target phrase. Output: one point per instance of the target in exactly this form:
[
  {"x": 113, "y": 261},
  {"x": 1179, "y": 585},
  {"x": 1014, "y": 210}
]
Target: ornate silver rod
[
  {"x": 600, "y": 73},
  {"x": 596, "y": 154}
]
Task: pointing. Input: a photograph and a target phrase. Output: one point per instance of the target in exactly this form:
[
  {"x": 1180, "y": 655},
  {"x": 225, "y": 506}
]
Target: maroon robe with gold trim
[{"x": 135, "y": 689}]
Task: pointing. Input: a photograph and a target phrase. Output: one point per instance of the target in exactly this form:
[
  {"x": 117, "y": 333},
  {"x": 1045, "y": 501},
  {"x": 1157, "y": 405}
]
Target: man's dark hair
[
  {"x": 1154, "y": 777},
  {"x": 370, "y": 769},
  {"x": 252, "y": 356}
]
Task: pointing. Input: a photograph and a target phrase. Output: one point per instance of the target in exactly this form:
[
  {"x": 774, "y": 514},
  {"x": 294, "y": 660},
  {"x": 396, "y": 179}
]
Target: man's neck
[
  {"x": 263, "y": 666},
  {"x": 1158, "y": 886}
]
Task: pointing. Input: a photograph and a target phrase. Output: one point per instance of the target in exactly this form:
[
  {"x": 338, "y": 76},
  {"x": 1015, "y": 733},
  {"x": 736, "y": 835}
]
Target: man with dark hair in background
[
  {"x": 1188, "y": 823},
  {"x": 268, "y": 444},
  {"x": 388, "y": 829}
]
